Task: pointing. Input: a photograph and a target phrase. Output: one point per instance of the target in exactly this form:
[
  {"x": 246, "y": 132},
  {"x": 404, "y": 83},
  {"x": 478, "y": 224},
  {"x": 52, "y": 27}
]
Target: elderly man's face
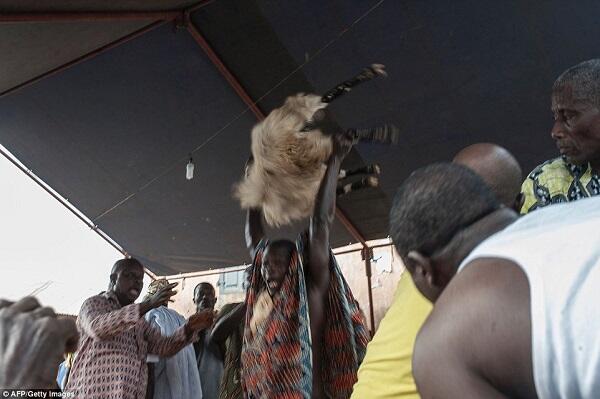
[{"x": 576, "y": 129}]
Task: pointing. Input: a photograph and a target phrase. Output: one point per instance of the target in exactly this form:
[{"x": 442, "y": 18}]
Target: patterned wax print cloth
[
  {"x": 557, "y": 181},
  {"x": 277, "y": 359}
]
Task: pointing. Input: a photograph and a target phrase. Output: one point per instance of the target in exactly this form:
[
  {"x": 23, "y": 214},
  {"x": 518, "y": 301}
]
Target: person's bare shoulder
[{"x": 481, "y": 326}]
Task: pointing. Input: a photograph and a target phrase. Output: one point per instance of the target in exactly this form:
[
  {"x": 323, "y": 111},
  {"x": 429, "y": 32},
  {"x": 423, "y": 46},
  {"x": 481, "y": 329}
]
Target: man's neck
[
  {"x": 465, "y": 241},
  {"x": 114, "y": 294}
]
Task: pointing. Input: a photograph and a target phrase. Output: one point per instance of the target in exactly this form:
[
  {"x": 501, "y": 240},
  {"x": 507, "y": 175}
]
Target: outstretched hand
[
  {"x": 32, "y": 344},
  {"x": 159, "y": 298},
  {"x": 200, "y": 321}
]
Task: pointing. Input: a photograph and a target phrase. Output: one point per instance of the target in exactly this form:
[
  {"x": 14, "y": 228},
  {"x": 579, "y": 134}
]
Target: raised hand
[
  {"x": 159, "y": 298},
  {"x": 32, "y": 343},
  {"x": 200, "y": 321}
]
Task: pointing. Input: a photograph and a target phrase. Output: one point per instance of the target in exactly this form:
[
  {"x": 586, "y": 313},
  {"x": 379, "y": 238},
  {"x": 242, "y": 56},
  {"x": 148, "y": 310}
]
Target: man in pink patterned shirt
[{"x": 115, "y": 339}]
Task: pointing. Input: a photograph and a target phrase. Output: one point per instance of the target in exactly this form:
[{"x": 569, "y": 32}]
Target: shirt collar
[
  {"x": 576, "y": 170},
  {"x": 111, "y": 296}
]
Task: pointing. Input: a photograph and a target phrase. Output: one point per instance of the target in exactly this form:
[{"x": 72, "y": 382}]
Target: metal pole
[
  {"x": 85, "y": 57},
  {"x": 207, "y": 272},
  {"x": 349, "y": 251},
  {"x": 243, "y": 94},
  {"x": 214, "y": 58},
  {"x": 71, "y": 208},
  {"x": 367, "y": 254},
  {"x": 63, "y": 202},
  {"x": 18, "y": 17},
  {"x": 345, "y": 221}
]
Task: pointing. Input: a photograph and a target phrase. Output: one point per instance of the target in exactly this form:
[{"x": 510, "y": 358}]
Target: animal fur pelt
[{"x": 289, "y": 150}]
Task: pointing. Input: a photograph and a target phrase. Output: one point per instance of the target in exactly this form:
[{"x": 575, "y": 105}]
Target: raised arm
[
  {"x": 101, "y": 322},
  {"x": 322, "y": 218},
  {"x": 254, "y": 230},
  {"x": 230, "y": 319},
  {"x": 164, "y": 346}
]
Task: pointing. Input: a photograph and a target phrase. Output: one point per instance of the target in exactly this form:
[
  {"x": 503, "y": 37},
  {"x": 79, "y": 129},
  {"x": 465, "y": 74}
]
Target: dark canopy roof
[{"x": 112, "y": 133}]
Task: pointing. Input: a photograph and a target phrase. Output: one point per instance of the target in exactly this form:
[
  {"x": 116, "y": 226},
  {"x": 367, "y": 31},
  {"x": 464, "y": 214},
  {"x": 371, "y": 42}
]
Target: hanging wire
[{"x": 307, "y": 61}]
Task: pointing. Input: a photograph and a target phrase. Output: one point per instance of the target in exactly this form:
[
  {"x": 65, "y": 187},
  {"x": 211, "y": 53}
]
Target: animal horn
[{"x": 367, "y": 74}]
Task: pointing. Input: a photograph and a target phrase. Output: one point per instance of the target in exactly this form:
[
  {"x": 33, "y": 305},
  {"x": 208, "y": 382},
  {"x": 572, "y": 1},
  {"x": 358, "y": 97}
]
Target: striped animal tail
[
  {"x": 373, "y": 169},
  {"x": 367, "y": 74},
  {"x": 385, "y": 134},
  {"x": 370, "y": 181}
]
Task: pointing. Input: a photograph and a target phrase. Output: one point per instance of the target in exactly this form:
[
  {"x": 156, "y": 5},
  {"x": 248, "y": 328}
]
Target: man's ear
[
  {"x": 113, "y": 280},
  {"x": 422, "y": 266}
]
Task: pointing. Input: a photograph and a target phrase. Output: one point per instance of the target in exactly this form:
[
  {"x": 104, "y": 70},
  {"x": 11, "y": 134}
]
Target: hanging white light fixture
[{"x": 189, "y": 169}]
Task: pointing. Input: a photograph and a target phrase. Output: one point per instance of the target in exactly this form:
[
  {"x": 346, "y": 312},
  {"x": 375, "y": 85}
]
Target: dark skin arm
[
  {"x": 317, "y": 270},
  {"x": 228, "y": 323},
  {"x": 157, "y": 299},
  {"x": 477, "y": 341},
  {"x": 254, "y": 230}
]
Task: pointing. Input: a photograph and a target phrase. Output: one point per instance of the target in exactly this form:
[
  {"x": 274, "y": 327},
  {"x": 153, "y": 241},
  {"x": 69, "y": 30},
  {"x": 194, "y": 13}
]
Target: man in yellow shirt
[{"x": 386, "y": 371}]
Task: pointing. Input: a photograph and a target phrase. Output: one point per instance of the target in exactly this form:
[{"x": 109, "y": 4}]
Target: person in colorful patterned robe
[{"x": 304, "y": 336}]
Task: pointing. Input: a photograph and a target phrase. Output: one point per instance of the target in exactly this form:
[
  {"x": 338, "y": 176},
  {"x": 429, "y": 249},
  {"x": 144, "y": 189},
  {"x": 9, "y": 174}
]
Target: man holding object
[{"x": 115, "y": 338}]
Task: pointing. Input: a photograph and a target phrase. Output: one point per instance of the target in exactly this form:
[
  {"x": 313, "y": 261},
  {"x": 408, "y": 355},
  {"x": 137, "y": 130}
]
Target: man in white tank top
[{"x": 515, "y": 300}]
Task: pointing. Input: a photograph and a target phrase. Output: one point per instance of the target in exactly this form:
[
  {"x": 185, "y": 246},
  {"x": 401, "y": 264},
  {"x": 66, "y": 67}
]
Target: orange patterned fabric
[{"x": 276, "y": 361}]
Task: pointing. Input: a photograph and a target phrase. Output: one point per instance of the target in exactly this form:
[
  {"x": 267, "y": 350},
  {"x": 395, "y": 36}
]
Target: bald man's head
[{"x": 498, "y": 168}]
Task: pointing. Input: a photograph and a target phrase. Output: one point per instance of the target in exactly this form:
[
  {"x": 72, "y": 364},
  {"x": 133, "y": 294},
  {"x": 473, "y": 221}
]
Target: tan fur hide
[{"x": 288, "y": 164}]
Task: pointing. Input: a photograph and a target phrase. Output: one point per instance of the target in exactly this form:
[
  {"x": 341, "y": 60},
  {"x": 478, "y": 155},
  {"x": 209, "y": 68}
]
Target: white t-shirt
[{"x": 558, "y": 248}]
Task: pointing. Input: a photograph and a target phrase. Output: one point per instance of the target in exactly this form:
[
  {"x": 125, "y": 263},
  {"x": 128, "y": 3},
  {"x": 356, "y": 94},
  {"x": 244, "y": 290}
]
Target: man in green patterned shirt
[{"x": 576, "y": 131}]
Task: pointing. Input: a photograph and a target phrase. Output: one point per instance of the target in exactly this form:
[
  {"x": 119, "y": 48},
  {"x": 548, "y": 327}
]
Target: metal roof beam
[
  {"x": 89, "y": 16},
  {"x": 84, "y": 57},
  {"x": 237, "y": 87},
  {"x": 76, "y": 16}
]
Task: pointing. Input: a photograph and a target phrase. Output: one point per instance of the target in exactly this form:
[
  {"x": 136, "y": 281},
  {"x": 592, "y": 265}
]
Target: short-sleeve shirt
[
  {"x": 386, "y": 371},
  {"x": 557, "y": 181}
]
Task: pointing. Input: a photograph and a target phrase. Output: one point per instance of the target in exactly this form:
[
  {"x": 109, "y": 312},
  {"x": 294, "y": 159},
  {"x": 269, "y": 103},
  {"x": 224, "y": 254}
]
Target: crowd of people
[{"x": 500, "y": 298}]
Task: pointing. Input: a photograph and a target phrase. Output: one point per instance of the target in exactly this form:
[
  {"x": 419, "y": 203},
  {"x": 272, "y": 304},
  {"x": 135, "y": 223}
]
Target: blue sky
[{"x": 44, "y": 248}]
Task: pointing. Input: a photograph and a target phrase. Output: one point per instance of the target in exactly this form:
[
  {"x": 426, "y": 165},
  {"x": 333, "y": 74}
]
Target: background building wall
[
  {"x": 386, "y": 271},
  {"x": 183, "y": 301}
]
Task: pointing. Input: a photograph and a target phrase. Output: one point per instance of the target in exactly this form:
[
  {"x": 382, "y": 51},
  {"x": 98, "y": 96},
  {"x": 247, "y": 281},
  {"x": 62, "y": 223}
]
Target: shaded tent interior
[{"x": 112, "y": 133}]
